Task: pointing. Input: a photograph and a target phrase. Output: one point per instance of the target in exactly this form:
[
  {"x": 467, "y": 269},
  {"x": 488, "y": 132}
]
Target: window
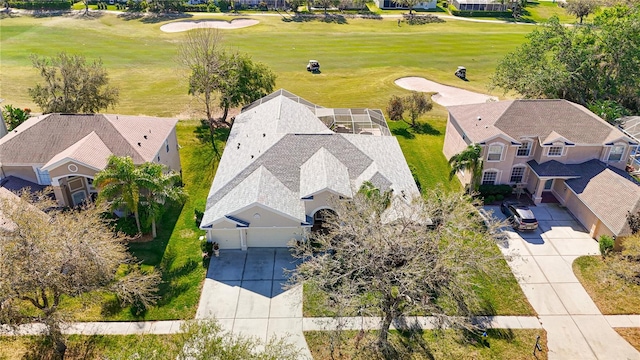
[
  {"x": 495, "y": 153},
  {"x": 525, "y": 149},
  {"x": 166, "y": 144},
  {"x": 489, "y": 177},
  {"x": 555, "y": 151},
  {"x": 616, "y": 153},
  {"x": 43, "y": 177},
  {"x": 517, "y": 174}
]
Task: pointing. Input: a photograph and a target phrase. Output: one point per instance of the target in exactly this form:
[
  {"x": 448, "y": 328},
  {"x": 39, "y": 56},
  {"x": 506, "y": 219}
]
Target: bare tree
[
  {"x": 413, "y": 257},
  {"x": 71, "y": 85},
  {"x": 581, "y": 8},
  {"x": 202, "y": 53},
  {"x": 45, "y": 257}
]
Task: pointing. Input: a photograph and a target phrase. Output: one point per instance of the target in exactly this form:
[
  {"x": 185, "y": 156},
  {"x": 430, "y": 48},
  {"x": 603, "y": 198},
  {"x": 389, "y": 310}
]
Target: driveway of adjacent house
[
  {"x": 541, "y": 261},
  {"x": 244, "y": 292}
]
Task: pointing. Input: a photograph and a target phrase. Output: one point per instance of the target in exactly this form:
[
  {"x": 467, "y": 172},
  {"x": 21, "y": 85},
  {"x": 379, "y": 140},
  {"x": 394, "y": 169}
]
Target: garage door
[
  {"x": 227, "y": 239},
  {"x": 272, "y": 237}
]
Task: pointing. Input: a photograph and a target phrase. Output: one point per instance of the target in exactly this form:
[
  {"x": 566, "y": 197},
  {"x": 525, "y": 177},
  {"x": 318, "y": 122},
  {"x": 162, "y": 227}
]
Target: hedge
[
  {"x": 494, "y": 190},
  {"x": 41, "y": 5},
  {"x": 477, "y": 13}
]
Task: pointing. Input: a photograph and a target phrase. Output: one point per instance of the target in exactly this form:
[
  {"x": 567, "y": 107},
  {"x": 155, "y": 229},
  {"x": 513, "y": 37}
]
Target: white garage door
[
  {"x": 272, "y": 237},
  {"x": 227, "y": 239}
]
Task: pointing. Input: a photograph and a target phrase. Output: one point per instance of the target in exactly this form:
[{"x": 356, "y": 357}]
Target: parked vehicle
[
  {"x": 519, "y": 216},
  {"x": 313, "y": 66}
]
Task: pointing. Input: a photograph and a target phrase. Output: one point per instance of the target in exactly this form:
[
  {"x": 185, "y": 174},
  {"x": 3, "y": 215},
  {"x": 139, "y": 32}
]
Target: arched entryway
[{"x": 319, "y": 217}]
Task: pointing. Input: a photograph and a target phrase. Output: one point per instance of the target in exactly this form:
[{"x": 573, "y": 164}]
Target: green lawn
[
  {"x": 175, "y": 252},
  {"x": 449, "y": 344},
  {"x": 610, "y": 293},
  {"x": 360, "y": 60}
]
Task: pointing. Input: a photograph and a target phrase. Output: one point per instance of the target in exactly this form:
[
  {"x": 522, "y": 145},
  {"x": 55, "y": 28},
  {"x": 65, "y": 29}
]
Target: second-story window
[
  {"x": 525, "y": 149},
  {"x": 555, "y": 151},
  {"x": 616, "y": 153},
  {"x": 517, "y": 174},
  {"x": 495, "y": 153}
]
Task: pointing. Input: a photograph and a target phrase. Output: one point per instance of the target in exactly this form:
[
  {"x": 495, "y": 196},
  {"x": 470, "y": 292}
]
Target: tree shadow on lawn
[
  {"x": 41, "y": 348},
  {"x": 421, "y": 128},
  {"x": 152, "y": 252}
]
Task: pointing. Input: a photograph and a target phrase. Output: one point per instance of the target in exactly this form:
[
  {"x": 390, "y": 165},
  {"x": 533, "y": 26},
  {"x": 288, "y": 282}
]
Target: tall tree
[
  {"x": 243, "y": 81},
  {"x": 409, "y": 4},
  {"x": 163, "y": 187},
  {"x": 120, "y": 184},
  {"x": 581, "y": 8},
  {"x": 325, "y": 4},
  {"x": 72, "y": 85},
  {"x": 202, "y": 53},
  {"x": 45, "y": 257},
  {"x": 396, "y": 265},
  {"x": 470, "y": 159},
  {"x": 583, "y": 64}
]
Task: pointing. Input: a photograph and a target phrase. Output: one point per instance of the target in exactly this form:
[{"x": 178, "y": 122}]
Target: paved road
[{"x": 541, "y": 261}]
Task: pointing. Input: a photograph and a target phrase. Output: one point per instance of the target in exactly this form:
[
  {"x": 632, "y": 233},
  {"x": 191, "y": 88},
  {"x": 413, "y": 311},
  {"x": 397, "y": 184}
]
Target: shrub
[
  {"x": 224, "y": 5},
  {"x": 415, "y": 177},
  {"x": 486, "y": 190},
  {"x": 395, "y": 108},
  {"x": 489, "y": 199},
  {"x": 199, "y": 207},
  {"x": 422, "y": 19},
  {"x": 499, "y": 197},
  {"x": 41, "y": 5},
  {"x": 606, "y": 244},
  {"x": 206, "y": 246}
]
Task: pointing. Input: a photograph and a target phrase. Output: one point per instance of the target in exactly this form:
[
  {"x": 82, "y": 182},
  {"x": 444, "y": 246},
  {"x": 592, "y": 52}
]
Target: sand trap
[
  {"x": 446, "y": 95},
  {"x": 179, "y": 26}
]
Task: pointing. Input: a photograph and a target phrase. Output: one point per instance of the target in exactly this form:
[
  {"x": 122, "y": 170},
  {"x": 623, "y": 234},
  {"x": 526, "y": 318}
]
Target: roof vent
[
  {"x": 238, "y": 145},
  {"x": 479, "y": 118},
  {"x": 145, "y": 136},
  {"x": 252, "y": 156},
  {"x": 139, "y": 144},
  {"x": 264, "y": 135}
]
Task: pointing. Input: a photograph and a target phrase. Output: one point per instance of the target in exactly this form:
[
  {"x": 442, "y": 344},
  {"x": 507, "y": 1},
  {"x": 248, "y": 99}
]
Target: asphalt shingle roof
[
  {"x": 609, "y": 192},
  {"x": 40, "y": 139},
  {"x": 552, "y": 168},
  {"x": 283, "y": 138},
  {"x": 533, "y": 118}
]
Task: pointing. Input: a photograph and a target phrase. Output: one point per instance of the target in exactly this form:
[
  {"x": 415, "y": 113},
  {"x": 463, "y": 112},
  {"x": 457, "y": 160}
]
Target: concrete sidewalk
[{"x": 541, "y": 261}]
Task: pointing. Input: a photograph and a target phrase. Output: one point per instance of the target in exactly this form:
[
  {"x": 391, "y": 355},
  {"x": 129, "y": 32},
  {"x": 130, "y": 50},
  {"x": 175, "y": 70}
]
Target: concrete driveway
[
  {"x": 245, "y": 292},
  {"x": 541, "y": 261}
]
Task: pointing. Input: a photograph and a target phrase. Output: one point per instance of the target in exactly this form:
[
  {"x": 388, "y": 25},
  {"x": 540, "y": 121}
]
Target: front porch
[{"x": 74, "y": 190}]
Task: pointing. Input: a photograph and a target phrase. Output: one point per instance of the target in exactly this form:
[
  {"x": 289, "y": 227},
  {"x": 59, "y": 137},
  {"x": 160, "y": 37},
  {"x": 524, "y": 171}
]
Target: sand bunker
[
  {"x": 179, "y": 26},
  {"x": 446, "y": 95}
]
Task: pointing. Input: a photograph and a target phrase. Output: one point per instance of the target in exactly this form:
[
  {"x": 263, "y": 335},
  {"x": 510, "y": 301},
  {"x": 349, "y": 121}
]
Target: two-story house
[
  {"x": 65, "y": 151},
  {"x": 551, "y": 148}
]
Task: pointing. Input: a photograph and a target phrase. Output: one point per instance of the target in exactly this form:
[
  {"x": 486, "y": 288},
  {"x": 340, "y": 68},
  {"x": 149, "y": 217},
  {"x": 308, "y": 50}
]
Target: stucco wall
[
  {"x": 260, "y": 217},
  {"x": 323, "y": 200},
  {"x": 22, "y": 172},
  {"x": 587, "y": 218},
  {"x": 63, "y": 170},
  {"x": 453, "y": 141},
  {"x": 171, "y": 158}
]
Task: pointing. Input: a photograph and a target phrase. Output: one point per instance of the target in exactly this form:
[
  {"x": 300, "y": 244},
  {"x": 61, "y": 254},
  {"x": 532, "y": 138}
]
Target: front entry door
[{"x": 79, "y": 197}]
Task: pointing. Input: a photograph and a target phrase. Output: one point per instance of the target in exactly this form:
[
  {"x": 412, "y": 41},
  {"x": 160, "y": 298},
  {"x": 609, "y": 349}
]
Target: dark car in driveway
[{"x": 519, "y": 216}]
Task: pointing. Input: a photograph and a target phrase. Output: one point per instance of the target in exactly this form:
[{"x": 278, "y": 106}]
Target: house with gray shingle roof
[
  {"x": 285, "y": 161},
  {"x": 65, "y": 151},
  {"x": 554, "y": 149}
]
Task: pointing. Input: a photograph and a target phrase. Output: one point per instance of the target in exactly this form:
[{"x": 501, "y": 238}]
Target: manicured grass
[
  {"x": 449, "y": 344},
  {"x": 175, "y": 252},
  {"x": 541, "y": 11},
  {"x": 84, "y": 347},
  {"x": 611, "y": 294},
  {"x": 632, "y": 335},
  {"x": 359, "y": 59}
]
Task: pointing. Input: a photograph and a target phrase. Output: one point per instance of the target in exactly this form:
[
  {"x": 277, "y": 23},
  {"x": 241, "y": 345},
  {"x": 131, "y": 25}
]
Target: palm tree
[
  {"x": 163, "y": 187},
  {"x": 470, "y": 159},
  {"x": 120, "y": 184}
]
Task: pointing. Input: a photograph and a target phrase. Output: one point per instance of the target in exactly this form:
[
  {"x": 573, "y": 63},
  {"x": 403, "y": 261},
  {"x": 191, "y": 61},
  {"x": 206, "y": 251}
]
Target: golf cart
[
  {"x": 313, "y": 66},
  {"x": 461, "y": 72}
]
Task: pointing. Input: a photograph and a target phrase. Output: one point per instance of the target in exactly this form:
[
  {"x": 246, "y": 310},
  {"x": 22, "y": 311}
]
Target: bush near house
[{"x": 498, "y": 192}]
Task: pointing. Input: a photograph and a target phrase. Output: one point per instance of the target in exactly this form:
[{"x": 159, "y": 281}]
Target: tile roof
[
  {"x": 608, "y": 192},
  {"x": 135, "y": 136},
  {"x": 533, "y": 118},
  {"x": 283, "y": 138}
]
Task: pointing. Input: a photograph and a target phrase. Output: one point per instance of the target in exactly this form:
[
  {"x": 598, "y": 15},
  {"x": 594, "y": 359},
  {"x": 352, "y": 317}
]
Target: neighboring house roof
[
  {"x": 281, "y": 141},
  {"x": 608, "y": 192},
  {"x": 40, "y": 139},
  {"x": 15, "y": 184},
  {"x": 547, "y": 120}
]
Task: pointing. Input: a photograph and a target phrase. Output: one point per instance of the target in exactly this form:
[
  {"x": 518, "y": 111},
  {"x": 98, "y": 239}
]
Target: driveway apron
[
  {"x": 245, "y": 291},
  {"x": 542, "y": 261}
]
